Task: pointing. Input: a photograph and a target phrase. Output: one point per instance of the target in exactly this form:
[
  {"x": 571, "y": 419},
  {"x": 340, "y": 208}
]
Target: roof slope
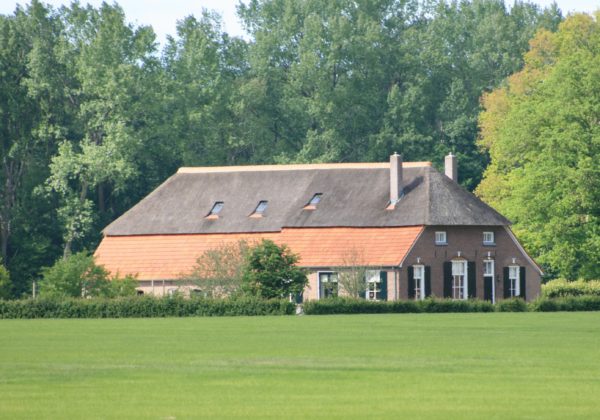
[
  {"x": 169, "y": 256},
  {"x": 354, "y": 195}
]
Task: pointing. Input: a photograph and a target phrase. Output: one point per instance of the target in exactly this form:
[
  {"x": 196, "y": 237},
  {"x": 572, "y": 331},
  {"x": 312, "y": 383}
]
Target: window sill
[
  {"x": 441, "y": 244},
  {"x": 489, "y": 244}
]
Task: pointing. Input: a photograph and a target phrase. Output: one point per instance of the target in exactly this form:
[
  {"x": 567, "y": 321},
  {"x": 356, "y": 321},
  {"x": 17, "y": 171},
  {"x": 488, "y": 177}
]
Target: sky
[{"x": 162, "y": 15}]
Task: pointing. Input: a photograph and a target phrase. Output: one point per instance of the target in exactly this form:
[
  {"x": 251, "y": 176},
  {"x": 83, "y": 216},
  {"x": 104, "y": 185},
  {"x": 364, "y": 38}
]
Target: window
[
  {"x": 419, "y": 277},
  {"x": 260, "y": 208},
  {"x": 440, "y": 238},
  {"x": 328, "y": 285},
  {"x": 459, "y": 279},
  {"x": 514, "y": 283},
  {"x": 216, "y": 209},
  {"x": 488, "y": 238},
  {"x": 312, "y": 204},
  {"x": 489, "y": 287},
  {"x": 488, "y": 268},
  {"x": 315, "y": 200},
  {"x": 373, "y": 280}
]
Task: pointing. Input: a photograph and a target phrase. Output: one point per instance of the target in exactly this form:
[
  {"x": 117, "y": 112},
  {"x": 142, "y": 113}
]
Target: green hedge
[
  {"x": 142, "y": 307},
  {"x": 569, "y": 303},
  {"x": 148, "y": 307},
  {"x": 562, "y": 288},
  {"x": 361, "y": 306}
]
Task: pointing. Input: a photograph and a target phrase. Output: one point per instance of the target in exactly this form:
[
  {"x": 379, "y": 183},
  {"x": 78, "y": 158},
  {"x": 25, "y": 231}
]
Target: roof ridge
[{"x": 296, "y": 167}]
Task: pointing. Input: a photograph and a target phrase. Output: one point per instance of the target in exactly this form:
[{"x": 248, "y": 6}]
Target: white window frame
[
  {"x": 373, "y": 280},
  {"x": 514, "y": 280},
  {"x": 490, "y": 240},
  {"x": 490, "y": 273},
  {"x": 419, "y": 278},
  {"x": 319, "y": 281},
  {"x": 460, "y": 269},
  {"x": 441, "y": 237}
]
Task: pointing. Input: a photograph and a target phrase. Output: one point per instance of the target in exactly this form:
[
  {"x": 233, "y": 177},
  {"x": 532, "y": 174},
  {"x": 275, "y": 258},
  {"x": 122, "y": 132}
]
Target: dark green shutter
[
  {"x": 448, "y": 279},
  {"x": 506, "y": 284},
  {"x": 383, "y": 284},
  {"x": 411, "y": 282},
  {"x": 427, "y": 281},
  {"x": 523, "y": 283},
  {"x": 472, "y": 280}
]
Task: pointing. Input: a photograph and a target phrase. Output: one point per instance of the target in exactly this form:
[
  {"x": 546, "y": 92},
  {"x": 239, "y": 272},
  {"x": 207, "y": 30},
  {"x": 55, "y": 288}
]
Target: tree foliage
[
  {"x": 93, "y": 116},
  {"x": 79, "y": 276},
  {"x": 220, "y": 271},
  {"x": 271, "y": 271},
  {"x": 542, "y": 130}
]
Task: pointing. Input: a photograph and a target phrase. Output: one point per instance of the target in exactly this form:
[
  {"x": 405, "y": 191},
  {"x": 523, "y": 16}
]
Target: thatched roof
[{"x": 353, "y": 195}]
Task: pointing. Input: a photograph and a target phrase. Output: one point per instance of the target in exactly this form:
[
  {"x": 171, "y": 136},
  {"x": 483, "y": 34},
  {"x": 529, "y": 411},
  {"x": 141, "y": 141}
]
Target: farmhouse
[{"x": 416, "y": 230}]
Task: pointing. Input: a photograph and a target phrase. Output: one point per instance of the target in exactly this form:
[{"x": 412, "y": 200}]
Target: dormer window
[
  {"x": 312, "y": 204},
  {"x": 440, "y": 238},
  {"x": 216, "y": 209},
  {"x": 260, "y": 209}
]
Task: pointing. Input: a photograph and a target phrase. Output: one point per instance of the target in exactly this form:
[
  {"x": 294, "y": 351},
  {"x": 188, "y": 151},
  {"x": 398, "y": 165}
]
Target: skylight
[
  {"x": 216, "y": 209},
  {"x": 262, "y": 206},
  {"x": 315, "y": 200}
]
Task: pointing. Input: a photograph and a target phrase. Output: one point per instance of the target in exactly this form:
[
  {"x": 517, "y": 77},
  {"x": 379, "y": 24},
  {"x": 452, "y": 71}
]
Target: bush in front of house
[
  {"x": 78, "y": 275},
  {"x": 512, "y": 305},
  {"x": 562, "y": 288},
  {"x": 567, "y": 303},
  {"x": 361, "y": 306},
  {"x": 142, "y": 307}
]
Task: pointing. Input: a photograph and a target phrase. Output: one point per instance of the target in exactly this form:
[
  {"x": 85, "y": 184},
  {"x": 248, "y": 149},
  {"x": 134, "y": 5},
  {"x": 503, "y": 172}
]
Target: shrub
[
  {"x": 561, "y": 288},
  {"x": 5, "y": 284},
  {"x": 512, "y": 305},
  {"x": 79, "y": 276},
  {"x": 361, "y": 306},
  {"x": 568, "y": 303},
  {"x": 142, "y": 307}
]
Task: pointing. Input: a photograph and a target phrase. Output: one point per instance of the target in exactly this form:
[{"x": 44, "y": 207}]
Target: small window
[
  {"x": 488, "y": 238},
  {"x": 260, "y": 208},
  {"x": 315, "y": 200},
  {"x": 488, "y": 268},
  {"x": 328, "y": 285},
  {"x": 419, "y": 277},
  {"x": 216, "y": 209},
  {"x": 440, "y": 238},
  {"x": 459, "y": 279},
  {"x": 373, "y": 289},
  {"x": 514, "y": 283},
  {"x": 312, "y": 204}
]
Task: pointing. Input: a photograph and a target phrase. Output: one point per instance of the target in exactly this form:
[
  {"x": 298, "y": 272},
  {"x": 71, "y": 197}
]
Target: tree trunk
[{"x": 4, "y": 235}]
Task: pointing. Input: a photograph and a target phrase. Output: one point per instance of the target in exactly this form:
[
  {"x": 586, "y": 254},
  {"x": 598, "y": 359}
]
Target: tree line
[{"x": 94, "y": 113}]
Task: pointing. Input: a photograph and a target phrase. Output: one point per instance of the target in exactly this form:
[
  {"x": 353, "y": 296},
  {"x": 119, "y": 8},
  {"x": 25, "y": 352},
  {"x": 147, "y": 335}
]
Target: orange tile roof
[{"x": 169, "y": 256}]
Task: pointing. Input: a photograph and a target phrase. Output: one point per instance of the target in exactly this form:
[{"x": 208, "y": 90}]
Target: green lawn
[{"x": 497, "y": 365}]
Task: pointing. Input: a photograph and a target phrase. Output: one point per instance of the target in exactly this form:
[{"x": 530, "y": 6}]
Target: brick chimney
[
  {"x": 451, "y": 167},
  {"x": 396, "y": 184}
]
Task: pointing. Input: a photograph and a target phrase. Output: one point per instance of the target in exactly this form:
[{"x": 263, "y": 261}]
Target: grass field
[{"x": 497, "y": 365}]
